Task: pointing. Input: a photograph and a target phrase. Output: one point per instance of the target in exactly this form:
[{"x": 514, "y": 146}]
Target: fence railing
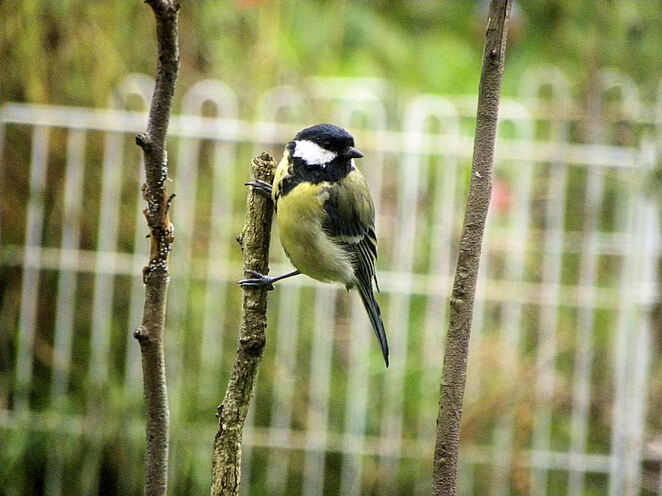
[{"x": 559, "y": 374}]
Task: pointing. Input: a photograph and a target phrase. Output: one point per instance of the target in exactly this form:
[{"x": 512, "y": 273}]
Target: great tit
[{"x": 325, "y": 216}]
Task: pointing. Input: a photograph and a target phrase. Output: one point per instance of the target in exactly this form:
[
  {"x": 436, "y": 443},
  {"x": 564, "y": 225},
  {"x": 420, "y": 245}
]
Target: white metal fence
[{"x": 561, "y": 353}]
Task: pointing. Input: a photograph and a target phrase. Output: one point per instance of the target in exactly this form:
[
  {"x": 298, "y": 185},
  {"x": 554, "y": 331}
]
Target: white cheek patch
[{"x": 312, "y": 153}]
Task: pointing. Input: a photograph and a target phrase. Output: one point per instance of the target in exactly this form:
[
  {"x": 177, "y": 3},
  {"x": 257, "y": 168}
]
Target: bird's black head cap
[{"x": 328, "y": 136}]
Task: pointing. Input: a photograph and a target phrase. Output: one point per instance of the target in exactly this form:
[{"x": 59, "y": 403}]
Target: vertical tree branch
[
  {"x": 464, "y": 286},
  {"x": 150, "y": 334},
  {"x": 254, "y": 240}
]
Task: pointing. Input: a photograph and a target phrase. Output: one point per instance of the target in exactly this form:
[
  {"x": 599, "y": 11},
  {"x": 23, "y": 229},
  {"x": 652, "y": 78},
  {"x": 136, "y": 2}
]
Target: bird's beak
[{"x": 353, "y": 153}]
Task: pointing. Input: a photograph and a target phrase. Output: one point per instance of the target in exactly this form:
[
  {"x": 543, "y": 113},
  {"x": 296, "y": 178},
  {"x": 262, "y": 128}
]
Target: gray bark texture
[
  {"x": 150, "y": 334},
  {"x": 254, "y": 241},
  {"x": 454, "y": 371}
]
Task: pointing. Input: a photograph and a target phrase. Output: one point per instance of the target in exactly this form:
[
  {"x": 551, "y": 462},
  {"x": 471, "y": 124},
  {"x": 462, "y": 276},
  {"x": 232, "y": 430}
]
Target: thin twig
[
  {"x": 464, "y": 286},
  {"x": 150, "y": 334},
  {"x": 254, "y": 240}
]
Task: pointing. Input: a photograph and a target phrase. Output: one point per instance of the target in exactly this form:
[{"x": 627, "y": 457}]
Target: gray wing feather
[{"x": 354, "y": 231}]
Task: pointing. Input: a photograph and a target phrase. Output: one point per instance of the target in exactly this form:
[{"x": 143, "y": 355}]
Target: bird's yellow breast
[{"x": 299, "y": 216}]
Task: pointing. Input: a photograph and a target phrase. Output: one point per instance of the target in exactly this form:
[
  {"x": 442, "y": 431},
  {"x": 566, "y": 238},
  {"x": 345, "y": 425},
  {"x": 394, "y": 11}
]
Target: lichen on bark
[{"x": 254, "y": 241}]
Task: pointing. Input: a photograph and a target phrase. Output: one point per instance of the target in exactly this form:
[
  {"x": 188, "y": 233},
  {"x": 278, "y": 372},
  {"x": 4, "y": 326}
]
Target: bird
[{"x": 325, "y": 217}]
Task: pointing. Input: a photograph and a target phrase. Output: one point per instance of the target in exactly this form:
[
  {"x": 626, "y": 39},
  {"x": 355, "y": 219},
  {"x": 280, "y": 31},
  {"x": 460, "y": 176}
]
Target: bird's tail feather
[{"x": 371, "y": 306}]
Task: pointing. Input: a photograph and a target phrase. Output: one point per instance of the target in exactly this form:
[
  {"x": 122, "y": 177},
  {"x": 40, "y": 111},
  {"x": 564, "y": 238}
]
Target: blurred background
[{"x": 564, "y": 388}]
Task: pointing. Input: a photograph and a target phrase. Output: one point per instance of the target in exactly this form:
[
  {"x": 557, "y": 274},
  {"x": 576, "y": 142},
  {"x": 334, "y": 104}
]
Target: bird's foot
[
  {"x": 258, "y": 281},
  {"x": 261, "y": 187}
]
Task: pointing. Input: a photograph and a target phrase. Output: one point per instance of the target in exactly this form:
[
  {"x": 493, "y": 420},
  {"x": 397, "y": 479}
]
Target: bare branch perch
[
  {"x": 254, "y": 240},
  {"x": 155, "y": 275},
  {"x": 464, "y": 286}
]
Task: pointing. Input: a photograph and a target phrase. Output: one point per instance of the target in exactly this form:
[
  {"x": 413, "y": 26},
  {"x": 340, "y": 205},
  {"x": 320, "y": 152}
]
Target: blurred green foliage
[{"x": 75, "y": 52}]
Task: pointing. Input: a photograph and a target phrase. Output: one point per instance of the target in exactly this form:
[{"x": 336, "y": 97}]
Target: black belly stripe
[{"x": 287, "y": 185}]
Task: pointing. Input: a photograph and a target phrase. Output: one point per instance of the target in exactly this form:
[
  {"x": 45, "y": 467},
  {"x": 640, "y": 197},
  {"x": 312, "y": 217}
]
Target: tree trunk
[
  {"x": 454, "y": 371},
  {"x": 150, "y": 334},
  {"x": 254, "y": 240}
]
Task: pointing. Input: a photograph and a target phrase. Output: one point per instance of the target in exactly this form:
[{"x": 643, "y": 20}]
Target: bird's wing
[{"x": 350, "y": 222}]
